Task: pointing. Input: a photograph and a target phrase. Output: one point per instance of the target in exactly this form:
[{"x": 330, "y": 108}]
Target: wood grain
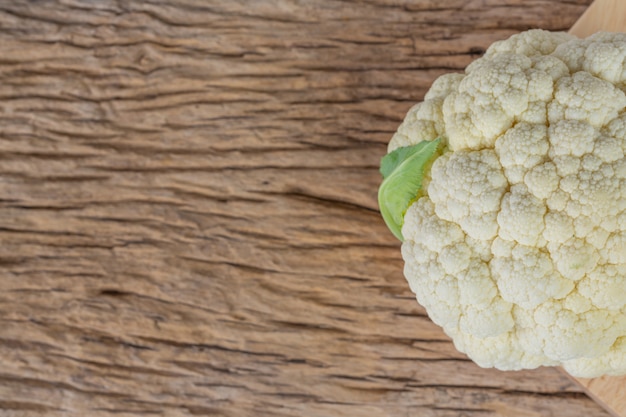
[
  {"x": 607, "y": 391},
  {"x": 602, "y": 15},
  {"x": 188, "y": 221}
]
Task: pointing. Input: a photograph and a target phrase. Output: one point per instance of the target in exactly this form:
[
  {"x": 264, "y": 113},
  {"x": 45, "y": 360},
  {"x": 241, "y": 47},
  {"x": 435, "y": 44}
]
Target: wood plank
[
  {"x": 602, "y": 15},
  {"x": 188, "y": 219},
  {"x": 609, "y": 391}
]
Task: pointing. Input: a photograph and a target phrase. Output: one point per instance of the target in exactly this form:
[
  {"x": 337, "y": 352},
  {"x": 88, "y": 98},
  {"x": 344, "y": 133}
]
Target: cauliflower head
[{"x": 516, "y": 242}]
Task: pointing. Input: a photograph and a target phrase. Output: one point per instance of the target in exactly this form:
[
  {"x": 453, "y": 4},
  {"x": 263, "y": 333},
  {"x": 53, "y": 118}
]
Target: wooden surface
[
  {"x": 188, "y": 219},
  {"x": 606, "y": 15},
  {"x": 608, "y": 391}
]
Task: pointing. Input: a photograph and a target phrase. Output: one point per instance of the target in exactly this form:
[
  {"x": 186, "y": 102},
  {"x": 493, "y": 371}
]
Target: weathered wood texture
[{"x": 188, "y": 221}]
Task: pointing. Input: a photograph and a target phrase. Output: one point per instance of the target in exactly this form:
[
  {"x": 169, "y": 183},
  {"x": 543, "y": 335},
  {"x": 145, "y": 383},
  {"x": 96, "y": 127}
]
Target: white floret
[
  {"x": 521, "y": 217},
  {"x": 605, "y": 286},
  {"x": 559, "y": 227},
  {"x": 567, "y": 328},
  {"x": 487, "y": 102},
  {"x": 534, "y": 42},
  {"x": 418, "y": 126},
  {"x": 517, "y": 247},
  {"x": 615, "y": 249},
  {"x": 585, "y": 98},
  {"x": 489, "y": 321},
  {"x": 571, "y": 138},
  {"x": 608, "y": 149},
  {"x": 467, "y": 188},
  {"x": 574, "y": 258},
  {"x": 521, "y": 148},
  {"x": 443, "y": 86},
  {"x": 607, "y": 364},
  {"x": 526, "y": 276},
  {"x": 542, "y": 180},
  {"x": 616, "y": 129},
  {"x": 601, "y": 55}
]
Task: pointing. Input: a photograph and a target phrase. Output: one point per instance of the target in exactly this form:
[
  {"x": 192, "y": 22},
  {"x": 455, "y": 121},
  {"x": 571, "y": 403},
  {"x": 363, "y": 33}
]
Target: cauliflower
[{"x": 507, "y": 186}]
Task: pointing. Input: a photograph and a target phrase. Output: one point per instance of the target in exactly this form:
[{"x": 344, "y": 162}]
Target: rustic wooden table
[{"x": 188, "y": 218}]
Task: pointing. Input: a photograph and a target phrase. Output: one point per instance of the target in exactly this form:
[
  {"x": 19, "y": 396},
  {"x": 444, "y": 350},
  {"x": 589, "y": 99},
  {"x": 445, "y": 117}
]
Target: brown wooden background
[{"x": 188, "y": 218}]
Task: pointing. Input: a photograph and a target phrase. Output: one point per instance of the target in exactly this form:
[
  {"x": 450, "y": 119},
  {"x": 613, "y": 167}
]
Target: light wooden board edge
[
  {"x": 609, "y": 16},
  {"x": 602, "y": 15},
  {"x": 608, "y": 391}
]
